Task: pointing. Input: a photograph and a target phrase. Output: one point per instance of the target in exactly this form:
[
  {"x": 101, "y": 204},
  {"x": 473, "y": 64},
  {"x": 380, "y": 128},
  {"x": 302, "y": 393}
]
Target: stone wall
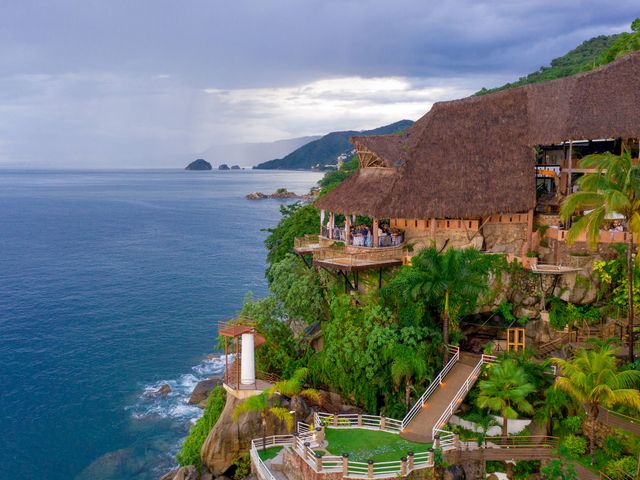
[
  {"x": 297, "y": 469},
  {"x": 505, "y": 237}
]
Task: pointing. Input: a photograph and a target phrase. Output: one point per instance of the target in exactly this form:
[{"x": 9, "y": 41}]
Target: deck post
[
  {"x": 403, "y": 466},
  {"x": 430, "y": 459},
  {"x": 383, "y": 423},
  {"x": 370, "y": 469},
  {"x": 410, "y": 461},
  {"x": 347, "y": 229},
  {"x": 436, "y": 441},
  {"x": 335, "y": 420},
  {"x": 318, "y": 461},
  {"x": 332, "y": 220},
  {"x": 359, "y": 419},
  {"x": 375, "y": 233},
  {"x": 307, "y": 450},
  {"x": 319, "y": 436},
  {"x": 345, "y": 464},
  {"x": 321, "y": 221}
]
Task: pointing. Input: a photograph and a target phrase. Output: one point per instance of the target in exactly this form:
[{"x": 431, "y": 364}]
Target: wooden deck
[
  {"x": 420, "y": 427},
  {"x": 349, "y": 264}
]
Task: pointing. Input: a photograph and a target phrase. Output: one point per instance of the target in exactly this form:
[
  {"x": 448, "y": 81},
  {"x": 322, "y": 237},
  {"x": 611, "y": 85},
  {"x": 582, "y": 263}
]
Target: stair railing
[{"x": 455, "y": 351}]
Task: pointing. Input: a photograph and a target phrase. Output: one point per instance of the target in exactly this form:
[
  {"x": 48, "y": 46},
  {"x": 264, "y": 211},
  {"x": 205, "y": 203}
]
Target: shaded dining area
[{"x": 360, "y": 231}]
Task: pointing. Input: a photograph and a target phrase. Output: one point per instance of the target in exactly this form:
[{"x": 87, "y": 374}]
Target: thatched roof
[{"x": 473, "y": 157}]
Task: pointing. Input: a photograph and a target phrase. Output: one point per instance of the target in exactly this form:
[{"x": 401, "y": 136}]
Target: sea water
[{"x": 111, "y": 285}]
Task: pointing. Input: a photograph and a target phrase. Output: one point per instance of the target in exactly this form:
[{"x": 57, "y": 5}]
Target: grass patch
[
  {"x": 269, "y": 453},
  {"x": 362, "y": 444}
]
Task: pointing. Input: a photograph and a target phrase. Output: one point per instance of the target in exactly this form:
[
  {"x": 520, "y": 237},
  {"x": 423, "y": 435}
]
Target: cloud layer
[{"x": 116, "y": 83}]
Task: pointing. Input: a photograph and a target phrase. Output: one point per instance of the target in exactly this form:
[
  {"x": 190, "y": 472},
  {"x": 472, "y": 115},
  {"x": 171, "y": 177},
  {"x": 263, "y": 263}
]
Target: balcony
[
  {"x": 604, "y": 236},
  {"x": 385, "y": 240}
]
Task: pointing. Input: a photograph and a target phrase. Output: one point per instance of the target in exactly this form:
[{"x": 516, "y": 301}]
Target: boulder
[
  {"x": 202, "y": 389},
  {"x": 224, "y": 166},
  {"x": 228, "y": 437},
  {"x": 256, "y": 196},
  {"x": 236, "y": 167},
  {"x": 188, "y": 472},
  {"x": 199, "y": 164}
]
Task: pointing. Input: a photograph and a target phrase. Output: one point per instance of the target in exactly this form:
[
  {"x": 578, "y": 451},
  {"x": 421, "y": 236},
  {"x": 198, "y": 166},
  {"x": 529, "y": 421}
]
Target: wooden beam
[
  {"x": 569, "y": 192},
  {"x": 375, "y": 232},
  {"x": 347, "y": 229}
]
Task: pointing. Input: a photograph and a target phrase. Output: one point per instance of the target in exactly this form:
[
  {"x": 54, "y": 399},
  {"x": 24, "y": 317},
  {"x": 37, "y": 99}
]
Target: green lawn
[
  {"x": 269, "y": 453},
  {"x": 362, "y": 444}
]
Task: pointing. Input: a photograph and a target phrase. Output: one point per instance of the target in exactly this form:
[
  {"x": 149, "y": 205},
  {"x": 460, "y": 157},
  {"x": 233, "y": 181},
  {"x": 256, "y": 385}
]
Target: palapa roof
[{"x": 473, "y": 157}]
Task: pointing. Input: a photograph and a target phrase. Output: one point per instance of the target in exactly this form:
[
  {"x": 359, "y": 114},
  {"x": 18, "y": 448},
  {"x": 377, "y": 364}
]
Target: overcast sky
[{"x": 138, "y": 83}]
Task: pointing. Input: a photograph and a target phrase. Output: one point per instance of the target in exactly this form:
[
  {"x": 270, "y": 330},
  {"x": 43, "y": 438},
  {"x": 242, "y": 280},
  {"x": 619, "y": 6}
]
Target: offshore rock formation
[{"x": 199, "y": 164}]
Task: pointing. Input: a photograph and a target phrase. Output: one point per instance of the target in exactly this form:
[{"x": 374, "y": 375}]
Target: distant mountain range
[
  {"x": 326, "y": 150},
  {"x": 249, "y": 154}
]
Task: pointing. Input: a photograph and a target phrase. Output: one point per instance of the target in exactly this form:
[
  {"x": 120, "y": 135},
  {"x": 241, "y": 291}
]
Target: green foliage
[
  {"x": 563, "y": 313},
  {"x": 281, "y": 354},
  {"x": 505, "y": 309},
  {"x": 506, "y": 390},
  {"x": 573, "y": 446},
  {"x": 572, "y": 424},
  {"x": 612, "y": 275},
  {"x": 300, "y": 289},
  {"x": 613, "y": 446},
  {"x": 624, "y": 43},
  {"x": 297, "y": 220},
  {"x": 242, "y": 465},
  {"x": 558, "y": 470},
  {"x": 621, "y": 469},
  {"x": 351, "y": 362},
  {"x": 189, "y": 453},
  {"x": 524, "y": 469}
]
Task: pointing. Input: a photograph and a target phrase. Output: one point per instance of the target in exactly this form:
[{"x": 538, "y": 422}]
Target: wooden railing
[
  {"x": 371, "y": 422},
  {"x": 355, "y": 256},
  {"x": 455, "y": 352}
]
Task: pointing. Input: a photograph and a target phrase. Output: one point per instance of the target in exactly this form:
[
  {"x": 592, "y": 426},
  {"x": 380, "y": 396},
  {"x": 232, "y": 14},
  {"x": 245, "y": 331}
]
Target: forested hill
[
  {"x": 580, "y": 59},
  {"x": 325, "y": 150},
  {"x": 587, "y": 56}
]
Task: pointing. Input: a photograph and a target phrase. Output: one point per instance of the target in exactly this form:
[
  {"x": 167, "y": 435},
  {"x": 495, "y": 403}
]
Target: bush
[
  {"x": 622, "y": 468},
  {"x": 573, "y": 446},
  {"x": 525, "y": 468},
  {"x": 613, "y": 446},
  {"x": 242, "y": 466},
  {"x": 556, "y": 470},
  {"x": 572, "y": 424},
  {"x": 189, "y": 453}
]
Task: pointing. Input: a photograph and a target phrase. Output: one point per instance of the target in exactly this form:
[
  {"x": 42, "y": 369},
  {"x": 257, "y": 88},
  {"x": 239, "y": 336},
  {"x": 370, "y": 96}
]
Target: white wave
[{"x": 150, "y": 404}]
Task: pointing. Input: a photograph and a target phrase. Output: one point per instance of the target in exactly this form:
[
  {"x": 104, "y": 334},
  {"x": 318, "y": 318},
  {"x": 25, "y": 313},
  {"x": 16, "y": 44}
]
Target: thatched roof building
[{"x": 474, "y": 157}]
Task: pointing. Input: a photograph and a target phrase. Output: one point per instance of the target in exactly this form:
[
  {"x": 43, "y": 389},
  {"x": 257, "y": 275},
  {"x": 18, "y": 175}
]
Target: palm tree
[
  {"x": 556, "y": 404},
  {"x": 614, "y": 189},
  {"x": 294, "y": 387},
  {"x": 592, "y": 379},
  {"x": 407, "y": 364},
  {"x": 505, "y": 391},
  {"x": 453, "y": 280},
  {"x": 262, "y": 405}
]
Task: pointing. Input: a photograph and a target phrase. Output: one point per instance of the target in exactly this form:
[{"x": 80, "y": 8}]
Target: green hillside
[
  {"x": 587, "y": 56},
  {"x": 325, "y": 150}
]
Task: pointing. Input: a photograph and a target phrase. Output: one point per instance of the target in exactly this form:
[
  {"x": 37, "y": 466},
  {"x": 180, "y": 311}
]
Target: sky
[{"x": 150, "y": 83}]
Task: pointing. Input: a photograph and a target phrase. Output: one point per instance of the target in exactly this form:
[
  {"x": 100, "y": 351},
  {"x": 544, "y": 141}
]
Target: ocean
[{"x": 111, "y": 284}]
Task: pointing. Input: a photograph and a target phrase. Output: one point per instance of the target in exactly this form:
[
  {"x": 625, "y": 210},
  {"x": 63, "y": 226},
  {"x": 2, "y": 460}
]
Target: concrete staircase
[{"x": 420, "y": 428}]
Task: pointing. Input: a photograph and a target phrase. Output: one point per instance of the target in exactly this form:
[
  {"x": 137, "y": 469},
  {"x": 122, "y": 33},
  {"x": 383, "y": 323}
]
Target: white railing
[
  {"x": 433, "y": 386},
  {"x": 273, "y": 441},
  {"x": 459, "y": 396},
  {"x": 353, "y": 420}
]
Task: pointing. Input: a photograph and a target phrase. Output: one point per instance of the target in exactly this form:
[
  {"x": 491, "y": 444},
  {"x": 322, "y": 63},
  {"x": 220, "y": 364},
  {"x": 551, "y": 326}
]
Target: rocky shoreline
[{"x": 279, "y": 194}]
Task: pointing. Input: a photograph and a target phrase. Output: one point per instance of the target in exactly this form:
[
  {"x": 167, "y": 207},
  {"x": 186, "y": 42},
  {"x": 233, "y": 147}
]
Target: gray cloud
[{"x": 100, "y": 83}]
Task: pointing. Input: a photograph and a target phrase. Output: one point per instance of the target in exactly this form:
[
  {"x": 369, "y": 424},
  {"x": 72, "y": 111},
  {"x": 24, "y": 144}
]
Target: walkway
[
  {"x": 420, "y": 427},
  {"x": 619, "y": 420}
]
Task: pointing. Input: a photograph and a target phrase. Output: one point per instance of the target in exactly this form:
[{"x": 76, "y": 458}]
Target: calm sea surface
[{"x": 111, "y": 284}]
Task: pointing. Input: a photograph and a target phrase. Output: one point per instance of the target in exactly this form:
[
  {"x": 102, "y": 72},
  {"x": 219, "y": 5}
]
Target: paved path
[{"x": 420, "y": 427}]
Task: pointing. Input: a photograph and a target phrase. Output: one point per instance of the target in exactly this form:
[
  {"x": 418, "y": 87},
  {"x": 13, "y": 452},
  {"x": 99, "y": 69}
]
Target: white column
[
  {"x": 321, "y": 220},
  {"x": 247, "y": 365}
]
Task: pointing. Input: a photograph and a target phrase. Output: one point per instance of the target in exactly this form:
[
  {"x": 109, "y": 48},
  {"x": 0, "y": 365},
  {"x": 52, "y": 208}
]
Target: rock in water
[
  {"x": 236, "y": 167},
  {"x": 183, "y": 473},
  {"x": 256, "y": 196},
  {"x": 199, "y": 164},
  {"x": 202, "y": 389},
  {"x": 224, "y": 166}
]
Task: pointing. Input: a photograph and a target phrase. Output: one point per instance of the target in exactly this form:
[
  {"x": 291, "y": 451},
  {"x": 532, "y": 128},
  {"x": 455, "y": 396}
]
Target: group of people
[{"x": 362, "y": 236}]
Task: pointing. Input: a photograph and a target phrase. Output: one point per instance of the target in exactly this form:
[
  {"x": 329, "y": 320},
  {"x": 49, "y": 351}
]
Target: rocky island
[
  {"x": 280, "y": 194},
  {"x": 199, "y": 164}
]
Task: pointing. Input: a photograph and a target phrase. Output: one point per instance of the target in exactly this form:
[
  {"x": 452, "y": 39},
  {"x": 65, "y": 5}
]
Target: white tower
[{"x": 247, "y": 363}]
